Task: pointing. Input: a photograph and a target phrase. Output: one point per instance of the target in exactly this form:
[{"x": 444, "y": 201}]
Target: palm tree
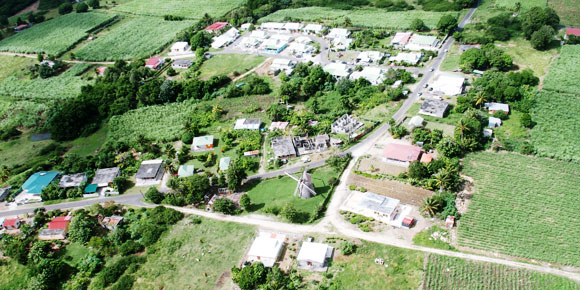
[
  {"x": 480, "y": 99},
  {"x": 430, "y": 206}
]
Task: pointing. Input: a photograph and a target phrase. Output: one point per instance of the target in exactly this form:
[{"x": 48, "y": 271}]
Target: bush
[
  {"x": 347, "y": 248},
  {"x": 154, "y": 195},
  {"x": 224, "y": 206},
  {"x": 275, "y": 210},
  {"x": 65, "y": 8},
  {"x": 130, "y": 247},
  {"x": 94, "y": 4},
  {"x": 82, "y": 7},
  {"x": 122, "y": 183},
  {"x": 125, "y": 282}
]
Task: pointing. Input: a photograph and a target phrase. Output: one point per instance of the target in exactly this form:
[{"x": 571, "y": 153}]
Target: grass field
[
  {"x": 20, "y": 150},
  {"x": 522, "y": 206},
  {"x": 451, "y": 61},
  {"x": 557, "y": 132},
  {"x": 525, "y": 56},
  {"x": 84, "y": 146},
  {"x": 525, "y": 5},
  {"x": 568, "y": 10},
  {"x": 13, "y": 275},
  {"x": 358, "y": 271},
  {"x": 55, "y": 36},
  {"x": 138, "y": 38},
  {"x": 14, "y": 65},
  {"x": 443, "y": 272},
  {"x": 228, "y": 63},
  {"x": 191, "y": 9},
  {"x": 24, "y": 114},
  {"x": 367, "y": 17},
  {"x": 65, "y": 85},
  {"x": 173, "y": 263},
  {"x": 565, "y": 71},
  {"x": 279, "y": 191}
]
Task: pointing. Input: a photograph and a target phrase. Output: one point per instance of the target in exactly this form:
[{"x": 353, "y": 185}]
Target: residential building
[
  {"x": 225, "y": 163},
  {"x": 321, "y": 142},
  {"x": 397, "y": 84},
  {"x": 154, "y": 63},
  {"x": 181, "y": 63},
  {"x": 225, "y": 39},
  {"x": 426, "y": 158},
  {"x": 283, "y": 65},
  {"x": 337, "y": 69},
  {"x": 572, "y": 31},
  {"x": 341, "y": 44},
  {"x": 274, "y": 46},
  {"x": 101, "y": 70},
  {"x": 247, "y": 124},
  {"x": 56, "y": 230},
  {"x": 313, "y": 28},
  {"x": 217, "y": 27},
  {"x": 150, "y": 172},
  {"x": 253, "y": 153},
  {"x": 346, "y": 125},
  {"x": 299, "y": 49},
  {"x": 385, "y": 209},
  {"x": 72, "y": 180},
  {"x": 293, "y": 27},
  {"x": 21, "y": 27},
  {"x": 245, "y": 26},
  {"x": 401, "y": 39},
  {"x": 494, "y": 107},
  {"x": 419, "y": 42},
  {"x": 278, "y": 126},
  {"x": 493, "y": 122},
  {"x": 303, "y": 145},
  {"x": 266, "y": 248},
  {"x": 368, "y": 57},
  {"x": 314, "y": 256},
  {"x": 260, "y": 34},
  {"x": 112, "y": 222},
  {"x": 401, "y": 153},
  {"x": 407, "y": 57},
  {"x": 283, "y": 147},
  {"x": 250, "y": 42},
  {"x": 272, "y": 26},
  {"x": 34, "y": 185},
  {"x": 303, "y": 40},
  {"x": 415, "y": 122},
  {"x": 185, "y": 171},
  {"x": 104, "y": 177},
  {"x": 338, "y": 33},
  {"x": 202, "y": 143},
  {"x": 434, "y": 107},
  {"x": 180, "y": 47},
  {"x": 11, "y": 224},
  {"x": 449, "y": 84},
  {"x": 374, "y": 75}
]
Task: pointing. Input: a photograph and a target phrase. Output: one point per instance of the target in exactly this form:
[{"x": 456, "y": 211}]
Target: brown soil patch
[
  {"x": 222, "y": 279},
  {"x": 374, "y": 165},
  {"x": 406, "y": 193}
]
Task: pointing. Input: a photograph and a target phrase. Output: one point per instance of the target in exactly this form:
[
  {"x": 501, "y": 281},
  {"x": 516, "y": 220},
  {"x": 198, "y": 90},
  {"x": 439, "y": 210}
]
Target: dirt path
[
  {"x": 546, "y": 71},
  {"x": 32, "y": 7},
  {"x": 265, "y": 62}
]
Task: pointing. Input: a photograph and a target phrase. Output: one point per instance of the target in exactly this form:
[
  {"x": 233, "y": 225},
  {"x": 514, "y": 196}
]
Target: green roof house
[
  {"x": 225, "y": 163},
  {"x": 185, "y": 171}
]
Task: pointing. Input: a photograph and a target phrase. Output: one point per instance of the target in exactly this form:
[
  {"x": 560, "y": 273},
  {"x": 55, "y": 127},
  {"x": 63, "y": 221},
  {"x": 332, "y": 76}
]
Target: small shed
[
  {"x": 266, "y": 248},
  {"x": 202, "y": 143},
  {"x": 185, "y": 170},
  {"x": 11, "y": 224},
  {"x": 314, "y": 256},
  {"x": 225, "y": 163},
  {"x": 408, "y": 222},
  {"x": 112, "y": 222},
  {"x": 493, "y": 122}
]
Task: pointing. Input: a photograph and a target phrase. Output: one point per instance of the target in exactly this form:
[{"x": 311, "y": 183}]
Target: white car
[{"x": 432, "y": 69}]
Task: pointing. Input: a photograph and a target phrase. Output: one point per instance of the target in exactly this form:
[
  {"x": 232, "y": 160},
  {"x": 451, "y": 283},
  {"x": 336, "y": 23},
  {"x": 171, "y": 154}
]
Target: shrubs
[
  {"x": 347, "y": 248},
  {"x": 82, "y": 7},
  {"x": 130, "y": 247},
  {"x": 225, "y": 206},
  {"x": 65, "y": 8}
]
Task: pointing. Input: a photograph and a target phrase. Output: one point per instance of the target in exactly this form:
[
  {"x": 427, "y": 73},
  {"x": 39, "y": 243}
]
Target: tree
[
  {"x": 431, "y": 206},
  {"x": 65, "y": 8},
  {"x": 82, "y": 227},
  {"x": 122, "y": 183},
  {"x": 417, "y": 25},
  {"x": 225, "y": 206},
  {"x": 130, "y": 247},
  {"x": 40, "y": 250},
  {"x": 94, "y": 4},
  {"x": 526, "y": 120},
  {"x": 245, "y": 202},
  {"x": 418, "y": 170},
  {"x": 249, "y": 277},
  {"x": 542, "y": 38},
  {"x": 536, "y": 17},
  {"x": 449, "y": 147},
  {"x": 447, "y": 23},
  {"x": 200, "y": 39},
  {"x": 82, "y": 7},
  {"x": 473, "y": 58},
  {"x": 235, "y": 175},
  {"x": 154, "y": 195}
]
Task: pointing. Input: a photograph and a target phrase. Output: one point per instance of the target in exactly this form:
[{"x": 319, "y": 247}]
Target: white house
[
  {"x": 418, "y": 42},
  {"x": 180, "y": 47},
  {"x": 247, "y": 124},
  {"x": 379, "y": 207},
  {"x": 259, "y": 34},
  {"x": 181, "y": 63},
  {"x": 225, "y": 39},
  {"x": 494, "y": 107},
  {"x": 493, "y": 122},
  {"x": 272, "y": 26},
  {"x": 300, "y": 48},
  {"x": 408, "y": 57},
  {"x": 341, "y": 43},
  {"x": 245, "y": 26},
  {"x": 283, "y": 64},
  {"x": 313, "y": 28},
  {"x": 449, "y": 84},
  {"x": 374, "y": 75},
  {"x": 338, "y": 70},
  {"x": 293, "y": 26},
  {"x": 266, "y": 248},
  {"x": 314, "y": 256},
  {"x": 368, "y": 57},
  {"x": 303, "y": 39},
  {"x": 338, "y": 33},
  {"x": 401, "y": 39}
]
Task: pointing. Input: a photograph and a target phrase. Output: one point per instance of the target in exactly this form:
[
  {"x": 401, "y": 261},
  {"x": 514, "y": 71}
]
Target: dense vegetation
[
  {"x": 513, "y": 211},
  {"x": 442, "y": 272},
  {"x": 565, "y": 71},
  {"x": 56, "y": 36},
  {"x": 11, "y": 7}
]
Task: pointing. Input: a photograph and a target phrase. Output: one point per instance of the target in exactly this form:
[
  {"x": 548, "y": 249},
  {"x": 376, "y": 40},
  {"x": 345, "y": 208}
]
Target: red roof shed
[
  {"x": 408, "y": 221},
  {"x": 401, "y": 152},
  {"x": 11, "y": 223},
  {"x": 216, "y": 26},
  {"x": 59, "y": 223},
  {"x": 573, "y": 31},
  {"x": 426, "y": 158}
]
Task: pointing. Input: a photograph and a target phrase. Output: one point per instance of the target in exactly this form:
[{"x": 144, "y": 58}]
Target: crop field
[
  {"x": 527, "y": 4},
  {"x": 568, "y": 10},
  {"x": 190, "y": 9},
  {"x": 557, "y": 130},
  {"x": 523, "y": 206},
  {"x": 368, "y": 17},
  {"x": 13, "y": 65},
  {"x": 24, "y": 114},
  {"x": 443, "y": 272},
  {"x": 65, "y": 85},
  {"x": 565, "y": 71},
  {"x": 195, "y": 256},
  {"x": 137, "y": 38},
  {"x": 55, "y": 36}
]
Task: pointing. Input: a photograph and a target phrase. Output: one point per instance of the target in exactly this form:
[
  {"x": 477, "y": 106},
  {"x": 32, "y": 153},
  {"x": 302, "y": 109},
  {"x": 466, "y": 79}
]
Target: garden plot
[
  {"x": 56, "y": 36},
  {"x": 442, "y": 272},
  {"x": 522, "y": 206},
  {"x": 406, "y": 193},
  {"x": 366, "y": 17},
  {"x": 565, "y": 71},
  {"x": 138, "y": 38},
  {"x": 190, "y": 9}
]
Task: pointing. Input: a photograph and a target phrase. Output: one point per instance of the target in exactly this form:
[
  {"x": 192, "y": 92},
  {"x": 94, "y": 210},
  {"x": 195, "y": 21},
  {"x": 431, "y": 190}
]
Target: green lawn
[
  {"x": 451, "y": 61},
  {"x": 525, "y": 56},
  {"x": 75, "y": 253},
  {"x": 431, "y": 238},
  {"x": 13, "y": 275},
  {"x": 522, "y": 206},
  {"x": 565, "y": 71},
  {"x": 172, "y": 263},
  {"x": 84, "y": 146},
  {"x": 279, "y": 191},
  {"x": 228, "y": 64},
  {"x": 525, "y": 5},
  {"x": 10, "y": 65},
  {"x": 191, "y": 9},
  {"x": 22, "y": 114},
  {"x": 382, "y": 112},
  {"x": 511, "y": 133},
  {"x": 358, "y": 271},
  {"x": 450, "y": 119}
]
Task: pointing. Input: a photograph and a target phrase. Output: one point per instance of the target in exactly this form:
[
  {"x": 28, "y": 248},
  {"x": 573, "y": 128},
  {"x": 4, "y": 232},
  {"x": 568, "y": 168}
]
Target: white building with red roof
[
  {"x": 572, "y": 31},
  {"x": 154, "y": 63},
  {"x": 217, "y": 27}
]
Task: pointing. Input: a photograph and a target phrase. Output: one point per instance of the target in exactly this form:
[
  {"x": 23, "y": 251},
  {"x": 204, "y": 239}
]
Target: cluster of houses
[
  {"x": 57, "y": 228},
  {"x": 285, "y": 147},
  {"x": 224, "y": 34},
  {"x": 340, "y": 70},
  {"x": 268, "y": 248},
  {"x": 272, "y": 40},
  {"x": 414, "y": 42}
]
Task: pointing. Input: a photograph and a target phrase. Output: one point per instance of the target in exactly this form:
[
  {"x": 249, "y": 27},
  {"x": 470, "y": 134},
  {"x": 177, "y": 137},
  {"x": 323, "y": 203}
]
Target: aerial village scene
[{"x": 290, "y": 144}]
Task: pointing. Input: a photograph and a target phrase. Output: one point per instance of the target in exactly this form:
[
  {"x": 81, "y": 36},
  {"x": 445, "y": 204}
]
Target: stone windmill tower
[{"x": 304, "y": 186}]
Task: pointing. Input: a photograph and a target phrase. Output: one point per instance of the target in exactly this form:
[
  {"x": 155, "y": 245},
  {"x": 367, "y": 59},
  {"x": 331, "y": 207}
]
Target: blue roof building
[{"x": 39, "y": 180}]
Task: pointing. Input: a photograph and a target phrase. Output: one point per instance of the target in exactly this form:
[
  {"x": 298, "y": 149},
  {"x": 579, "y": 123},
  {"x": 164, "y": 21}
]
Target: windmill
[{"x": 304, "y": 185}]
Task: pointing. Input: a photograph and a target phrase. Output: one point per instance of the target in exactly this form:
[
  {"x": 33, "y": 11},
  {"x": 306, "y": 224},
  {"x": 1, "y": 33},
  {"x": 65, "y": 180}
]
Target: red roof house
[
  {"x": 216, "y": 27},
  {"x": 154, "y": 62},
  {"x": 11, "y": 224},
  {"x": 59, "y": 223},
  {"x": 401, "y": 153},
  {"x": 573, "y": 31},
  {"x": 56, "y": 230},
  {"x": 21, "y": 27}
]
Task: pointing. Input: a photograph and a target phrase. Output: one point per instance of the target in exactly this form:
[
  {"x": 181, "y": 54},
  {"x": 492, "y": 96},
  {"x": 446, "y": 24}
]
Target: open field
[
  {"x": 565, "y": 71},
  {"x": 556, "y": 134},
  {"x": 442, "y": 272},
  {"x": 172, "y": 264},
  {"x": 279, "y": 191},
  {"x": 522, "y": 206},
  {"x": 525, "y": 56},
  {"x": 525, "y": 5},
  {"x": 568, "y": 10},
  {"x": 21, "y": 150},
  {"x": 451, "y": 61},
  {"x": 65, "y": 85},
  {"x": 11, "y": 65},
  {"x": 358, "y": 271},
  {"x": 55, "y": 36},
  {"x": 23, "y": 114},
  {"x": 191, "y": 9},
  {"x": 13, "y": 275},
  {"x": 138, "y": 38},
  {"x": 406, "y": 193},
  {"x": 84, "y": 146},
  {"x": 367, "y": 17},
  {"x": 229, "y": 63}
]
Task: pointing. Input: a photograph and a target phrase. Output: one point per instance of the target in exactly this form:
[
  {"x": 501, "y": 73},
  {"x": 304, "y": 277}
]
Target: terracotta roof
[
  {"x": 216, "y": 26},
  {"x": 153, "y": 61},
  {"x": 402, "y": 152},
  {"x": 426, "y": 158},
  {"x": 10, "y": 222},
  {"x": 59, "y": 223},
  {"x": 573, "y": 31}
]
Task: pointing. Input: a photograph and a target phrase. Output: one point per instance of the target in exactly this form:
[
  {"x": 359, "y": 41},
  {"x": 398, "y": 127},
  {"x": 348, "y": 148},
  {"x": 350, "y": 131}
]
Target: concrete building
[
  {"x": 150, "y": 173},
  {"x": 72, "y": 180},
  {"x": 181, "y": 63},
  {"x": 266, "y": 248},
  {"x": 368, "y": 57},
  {"x": 225, "y": 39},
  {"x": 314, "y": 256},
  {"x": 401, "y": 153},
  {"x": 338, "y": 33},
  {"x": 283, "y": 147},
  {"x": 495, "y": 107},
  {"x": 104, "y": 177},
  {"x": 202, "y": 143},
  {"x": 401, "y": 39},
  {"x": 313, "y": 28},
  {"x": 449, "y": 84},
  {"x": 419, "y": 42},
  {"x": 185, "y": 171},
  {"x": 407, "y": 57},
  {"x": 4, "y": 193},
  {"x": 346, "y": 125},
  {"x": 374, "y": 75},
  {"x": 247, "y": 124},
  {"x": 382, "y": 208},
  {"x": 283, "y": 65},
  {"x": 434, "y": 107},
  {"x": 180, "y": 47},
  {"x": 338, "y": 70}
]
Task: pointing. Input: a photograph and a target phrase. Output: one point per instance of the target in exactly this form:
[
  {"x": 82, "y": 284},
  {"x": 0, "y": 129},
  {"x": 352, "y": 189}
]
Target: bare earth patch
[
  {"x": 406, "y": 193},
  {"x": 374, "y": 165}
]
